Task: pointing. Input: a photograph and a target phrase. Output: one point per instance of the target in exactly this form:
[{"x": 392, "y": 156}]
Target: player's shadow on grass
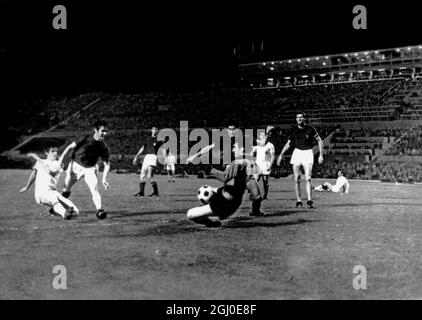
[
  {"x": 249, "y": 223},
  {"x": 126, "y": 213},
  {"x": 402, "y": 198},
  {"x": 345, "y": 205},
  {"x": 284, "y": 213},
  {"x": 170, "y": 228}
]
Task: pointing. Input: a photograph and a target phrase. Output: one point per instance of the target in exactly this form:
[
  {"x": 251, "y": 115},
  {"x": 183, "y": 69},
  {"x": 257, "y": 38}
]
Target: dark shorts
[{"x": 224, "y": 208}]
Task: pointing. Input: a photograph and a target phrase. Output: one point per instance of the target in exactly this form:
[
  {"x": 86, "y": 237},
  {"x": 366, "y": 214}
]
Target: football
[{"x": 205, "y": 193}]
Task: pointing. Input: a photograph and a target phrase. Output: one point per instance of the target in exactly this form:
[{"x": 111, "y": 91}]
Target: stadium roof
[{"x": 345, "y": 54}]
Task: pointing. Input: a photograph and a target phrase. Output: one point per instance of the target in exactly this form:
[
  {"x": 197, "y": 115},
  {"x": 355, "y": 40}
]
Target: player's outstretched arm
[
  {"x": 40, "y": 162},
  {"x": 321, "y": 149},
  {"x": 66, "y": 151},
  {"x": 30, "y": 181},
  {"x": 105, "y": 173},
  {"x": 285, "y": 148}
]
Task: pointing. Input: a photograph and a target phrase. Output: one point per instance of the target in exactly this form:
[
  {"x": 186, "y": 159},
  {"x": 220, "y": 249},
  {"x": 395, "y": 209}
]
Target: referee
[{"x": 302, "y": 136}]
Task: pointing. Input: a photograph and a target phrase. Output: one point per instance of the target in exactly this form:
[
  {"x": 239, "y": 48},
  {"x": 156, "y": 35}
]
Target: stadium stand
[{"x": 369, "y": 119}]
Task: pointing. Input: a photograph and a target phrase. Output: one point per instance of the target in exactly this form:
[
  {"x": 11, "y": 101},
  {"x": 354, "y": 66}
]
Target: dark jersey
[
  {"x": 303, "y": 138},
  {"x": 151, "y": 145},
  {"x": 223, "y": 207},
  {"x": 88, "y": 151},
  {"x": 232, "y": 156},
  {"x": 235, "y": 178}
]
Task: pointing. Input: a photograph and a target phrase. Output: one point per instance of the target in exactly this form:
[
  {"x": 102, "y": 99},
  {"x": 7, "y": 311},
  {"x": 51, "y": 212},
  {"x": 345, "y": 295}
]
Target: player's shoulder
[
  {"x": 105, "y": 144},
  {"x": 83, "y": 138},
  {"x": 148, "y": 139},
  {"x": 310, "y": 127}
]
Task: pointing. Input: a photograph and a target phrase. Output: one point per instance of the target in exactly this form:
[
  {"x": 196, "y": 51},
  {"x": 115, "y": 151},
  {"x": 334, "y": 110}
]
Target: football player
[
  {"x": 46, "y": 174},
  {"x": 265, "y": 155},
  {"x": 150, "y": 146},
  {"x": 342, "y": 185},
  {"x": 237, "y": 178},
  {"x": 87, "y": 151}
]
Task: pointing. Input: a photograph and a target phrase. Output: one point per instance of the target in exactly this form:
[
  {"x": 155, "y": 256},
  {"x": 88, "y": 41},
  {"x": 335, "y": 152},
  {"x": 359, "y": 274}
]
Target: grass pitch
[{"x": 147, "y": 249}]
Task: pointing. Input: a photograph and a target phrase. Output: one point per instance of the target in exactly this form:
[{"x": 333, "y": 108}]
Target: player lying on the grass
[
  {"x": 46, "y": 174},
  {"x": 87, "y": 151},
  {"x": 224, "y": 201},
  {"x": 342, "y": 185}
]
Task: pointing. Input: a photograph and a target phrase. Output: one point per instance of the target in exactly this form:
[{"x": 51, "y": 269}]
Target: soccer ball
[{"x": 205, "y": 193}]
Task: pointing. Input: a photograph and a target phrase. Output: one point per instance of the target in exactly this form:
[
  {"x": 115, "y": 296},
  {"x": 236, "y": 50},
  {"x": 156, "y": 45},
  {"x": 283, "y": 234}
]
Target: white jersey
[
  {"x": 340, "y": 183},
  {"x": 47, "y": 181},
  {"x": 263, "y": 157},
  {"x": 170, "y": 160}
]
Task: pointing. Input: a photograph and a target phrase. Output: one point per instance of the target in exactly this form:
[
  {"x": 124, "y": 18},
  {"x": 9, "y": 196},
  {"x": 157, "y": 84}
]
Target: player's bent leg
[
  {"x": 142, "y": 182},
  {"x": 296, "y": 173},
  {"x": 141, "y": 192},
  {"x": 59, "y": 209},
  {"x": 319, "y": 188},
  {"x": 266, "y": 184},
  {"x": 66, "y": 213},
  {"x": 69, "y": 181},
  {"x": 308, "y": 172},
  {"x": 328, "y": 186},
  {"x": 92, "y": 183},
  {"x": 253, "y": 188},
  {"x": 199, "y": 212},
  {"x": 154, "y": 184},
  {"x": 201, "y": 215},
  {"x": 67, "y": 204}
]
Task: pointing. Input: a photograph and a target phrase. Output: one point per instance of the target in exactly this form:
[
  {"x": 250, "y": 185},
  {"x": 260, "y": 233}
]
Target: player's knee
[
  {"x": 191, "y": 214},
  {"x": 256, "y": 196}
]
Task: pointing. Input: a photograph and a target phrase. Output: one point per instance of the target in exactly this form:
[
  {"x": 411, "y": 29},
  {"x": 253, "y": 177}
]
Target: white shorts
[
  {"x": 171, "y": 167},
  {"x": 150, "y": 160},
  {"x": 78, "y": 171},
  {"x": 264, "y": 167},
  {"x": 302, "y": 157},
  {"x": 47, "y": 197}
]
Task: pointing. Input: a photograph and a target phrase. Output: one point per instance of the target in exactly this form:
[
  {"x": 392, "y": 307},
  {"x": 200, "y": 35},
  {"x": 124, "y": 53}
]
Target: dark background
[{"x": 130, "y": 46}]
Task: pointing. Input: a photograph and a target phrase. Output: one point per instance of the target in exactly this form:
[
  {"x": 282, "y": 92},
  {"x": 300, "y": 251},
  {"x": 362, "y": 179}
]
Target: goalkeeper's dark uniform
[{"x": 237, "y": 178}]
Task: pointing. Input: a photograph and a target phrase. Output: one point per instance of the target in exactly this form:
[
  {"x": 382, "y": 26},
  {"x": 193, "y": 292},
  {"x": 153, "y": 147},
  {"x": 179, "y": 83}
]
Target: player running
[
  {"x": 237, "y": 178},
  {"x": 87, "y": 151},
  {"x": 170, "y": 163},
  {"x": 302, "y": 136},
  {"x": 46, "y": 174},
  {"x": 265, "y": 156},
  {"x": 342, "y": 185},
  {"x": 150, "y": 146}
]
